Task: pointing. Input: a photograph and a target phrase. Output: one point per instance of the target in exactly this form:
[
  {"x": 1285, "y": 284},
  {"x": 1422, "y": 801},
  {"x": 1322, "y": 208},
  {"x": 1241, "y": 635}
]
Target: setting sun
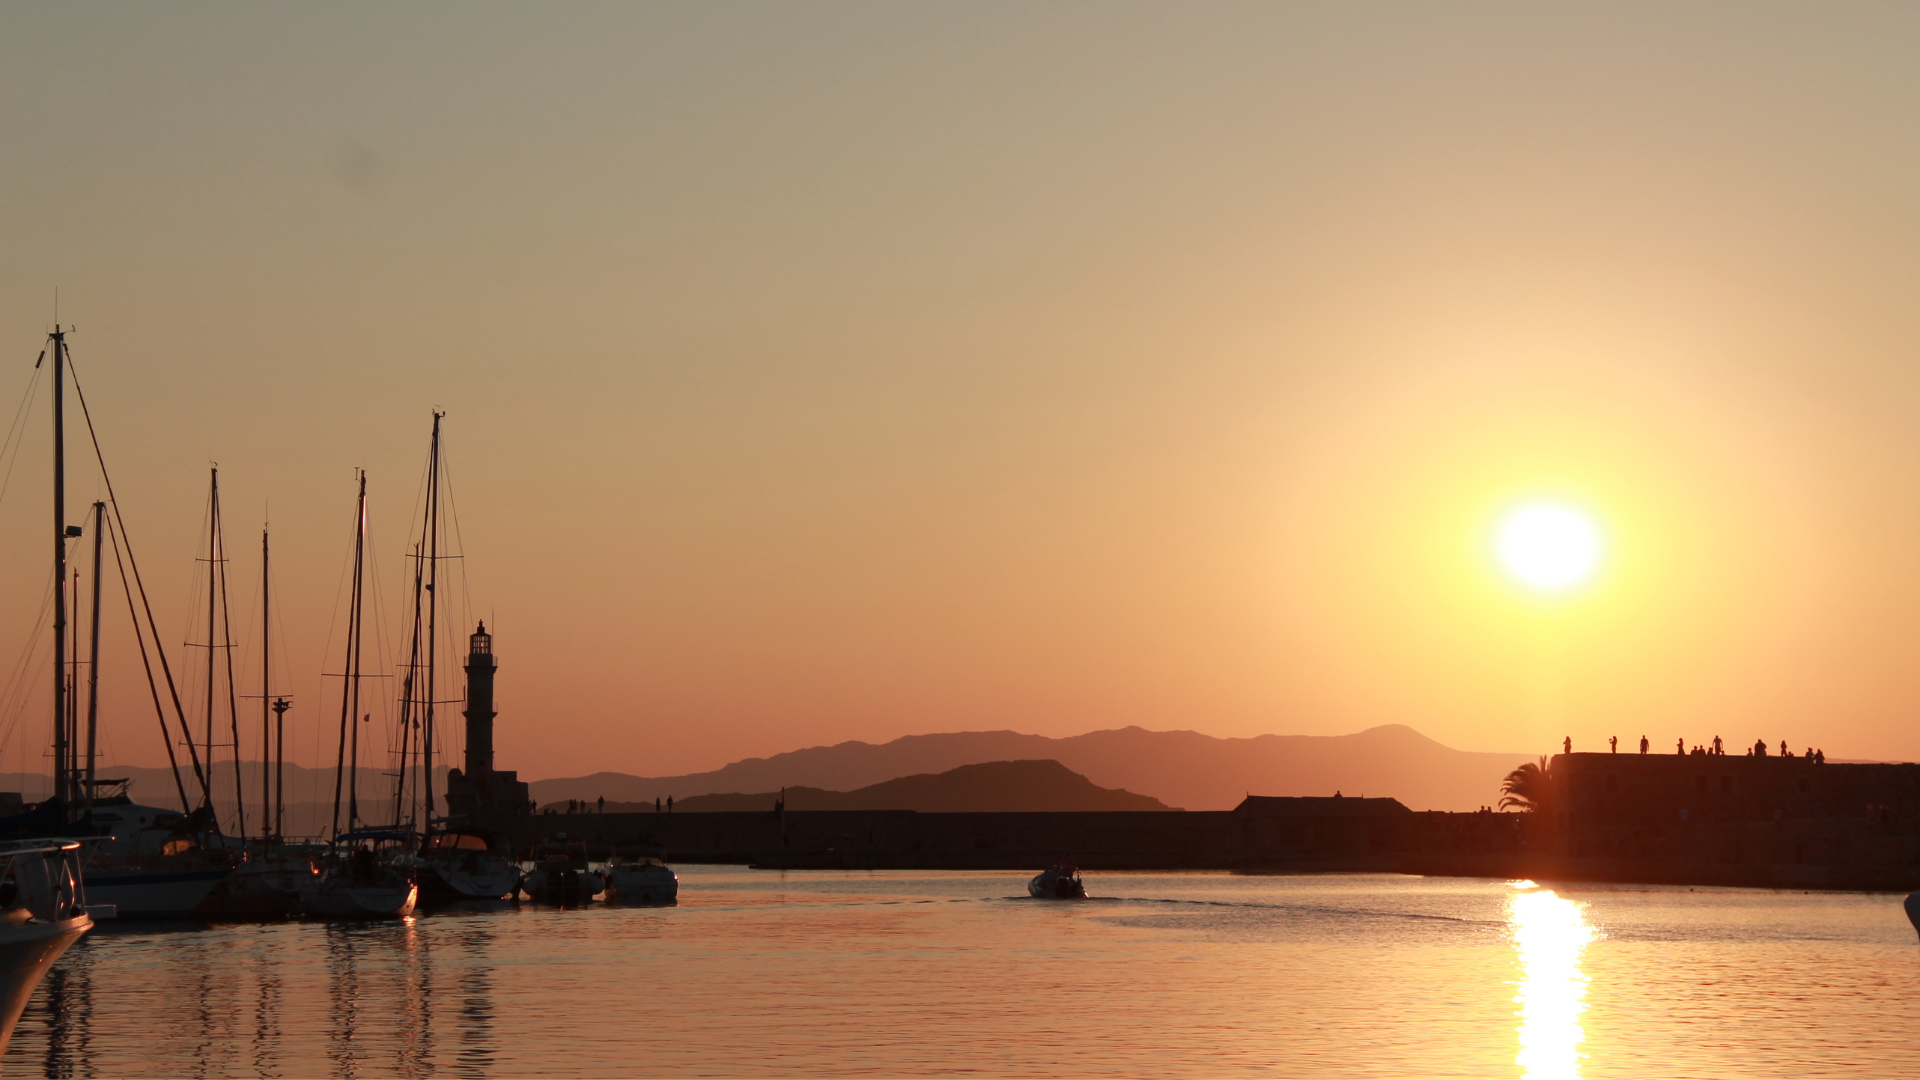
[{"x": 1550, "y": 546}]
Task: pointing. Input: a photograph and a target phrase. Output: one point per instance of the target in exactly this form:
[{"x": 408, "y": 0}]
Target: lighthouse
[
  {"x": 480, "y": 795},
  {"x": 480, "y": 714}
]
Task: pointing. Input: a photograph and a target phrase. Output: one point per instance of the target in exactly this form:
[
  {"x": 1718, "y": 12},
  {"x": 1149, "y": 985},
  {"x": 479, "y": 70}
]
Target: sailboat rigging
[
  {"x": 350, "y": 693},
  {"x": 364, "y": 872},
  {"x": 219, "y": 643}
]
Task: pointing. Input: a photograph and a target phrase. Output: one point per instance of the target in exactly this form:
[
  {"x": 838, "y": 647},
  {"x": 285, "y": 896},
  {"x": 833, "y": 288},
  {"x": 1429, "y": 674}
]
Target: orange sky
[{"x": 848, "y": 371}]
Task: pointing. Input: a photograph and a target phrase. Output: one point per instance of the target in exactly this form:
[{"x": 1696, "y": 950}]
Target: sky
[{"x": 848, "y": 371}]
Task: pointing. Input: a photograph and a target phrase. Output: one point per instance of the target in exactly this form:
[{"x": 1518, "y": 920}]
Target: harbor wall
[{"x": 1672, "y": 819}]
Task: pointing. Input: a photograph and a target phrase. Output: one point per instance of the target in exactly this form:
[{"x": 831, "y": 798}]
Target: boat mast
[
  {"x": 93, "y": 656},
  {"x": 213, "y": 530},
  {"x": 280, "y": 707},
  {"x": 350, "y": 694},
  {"x": 62, "y": 751},
  {"x": 218, "y": 617},
  {"x": 403, "y": 807},
  {"x": 433, "y": 595},
  {"x": 266, "y": 701},
  {"x": 73, "y": 687}
]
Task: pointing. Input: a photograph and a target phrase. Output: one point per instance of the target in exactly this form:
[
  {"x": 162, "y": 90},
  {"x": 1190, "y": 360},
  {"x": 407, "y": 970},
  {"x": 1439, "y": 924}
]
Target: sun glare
[
  {"x": 1550, "y": 546},
  {"x": 1549, "y": 934}
]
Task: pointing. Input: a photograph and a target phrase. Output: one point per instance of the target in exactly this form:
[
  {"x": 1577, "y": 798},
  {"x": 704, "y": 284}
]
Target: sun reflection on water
[{"x": 1549, "y": 934}]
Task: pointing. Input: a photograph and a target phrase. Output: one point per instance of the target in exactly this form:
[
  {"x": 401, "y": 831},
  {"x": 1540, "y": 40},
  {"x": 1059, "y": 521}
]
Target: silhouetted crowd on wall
[
  {"x": 1716, "y": 748},
  {"x": 582, "y": 806}
]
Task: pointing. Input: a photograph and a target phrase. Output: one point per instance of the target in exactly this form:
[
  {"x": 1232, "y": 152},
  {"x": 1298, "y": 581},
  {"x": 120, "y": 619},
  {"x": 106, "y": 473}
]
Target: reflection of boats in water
[
  {"x": 359, "y": 878},
  {"x": 560, "y": 875},
  {"x": 43, "y": 909},
  {"x": 1061, "y": 881},
  {"x": 641, "y": 879}
]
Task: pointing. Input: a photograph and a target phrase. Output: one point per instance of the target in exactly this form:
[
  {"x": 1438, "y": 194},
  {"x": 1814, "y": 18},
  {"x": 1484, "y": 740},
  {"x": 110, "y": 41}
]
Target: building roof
[{"x": 1319, "y": 806}]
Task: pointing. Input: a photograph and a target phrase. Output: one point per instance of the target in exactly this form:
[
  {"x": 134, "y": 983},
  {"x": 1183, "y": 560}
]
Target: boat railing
[{"x": 42, "y": 878}]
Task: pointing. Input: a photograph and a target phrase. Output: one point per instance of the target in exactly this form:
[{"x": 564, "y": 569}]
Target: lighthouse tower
[
  {"x": 480, "y": 714},
  {"x": 481, "y": 796}
]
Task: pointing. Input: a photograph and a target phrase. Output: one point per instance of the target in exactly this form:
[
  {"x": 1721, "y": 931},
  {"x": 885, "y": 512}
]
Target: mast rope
[
  {"x": 19, "y": 685},
  {"x": 11, "y": 448},
  {"x": 206, "y": 788},
  {"x": 153, "y": 688}
]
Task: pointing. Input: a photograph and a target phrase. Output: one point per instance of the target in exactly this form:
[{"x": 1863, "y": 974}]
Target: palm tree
[{"x": 1527, "y": 787}]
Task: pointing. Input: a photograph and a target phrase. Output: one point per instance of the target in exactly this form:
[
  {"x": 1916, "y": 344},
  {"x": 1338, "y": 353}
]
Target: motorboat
[
  {"x": 560, "y": 875},
  {"x": 359, "y": 878},
  {"x": 1061, "y": 881},
  {"x": 43, "y": 909},
  {"x": 464, "y": 866},
  {"x": 641, "y": 879}
]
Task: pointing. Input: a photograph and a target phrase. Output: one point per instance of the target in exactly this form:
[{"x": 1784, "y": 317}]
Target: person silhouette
[
  {"x": 1643, "y": 744},
  {"x": 1783, "y": 749},
  {"x": 1568, "y": 744},
  {"x": 1680, "y": 746},
  {"x": 1613, "y": 744},
  {"x": 1717, "y": 748}
]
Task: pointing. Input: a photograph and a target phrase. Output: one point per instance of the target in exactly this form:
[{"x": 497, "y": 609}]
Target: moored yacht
[
  {"x": 360, "y": 878},
  {"x": 462, "y": 865},
  {"x": 560, "y": 875},
  {"x": 641, "y": 879},
  {"x": 148, "y": 861}
]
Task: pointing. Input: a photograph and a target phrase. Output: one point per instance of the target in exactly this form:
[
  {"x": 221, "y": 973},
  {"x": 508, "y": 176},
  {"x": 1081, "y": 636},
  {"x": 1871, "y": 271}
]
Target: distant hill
[
  {"x": 1179, "y": 768},
  {"x": 994, "y": 786}
]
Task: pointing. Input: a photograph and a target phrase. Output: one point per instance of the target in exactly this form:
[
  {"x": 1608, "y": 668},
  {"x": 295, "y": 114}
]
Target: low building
[{"x": 1713, "y": 818}]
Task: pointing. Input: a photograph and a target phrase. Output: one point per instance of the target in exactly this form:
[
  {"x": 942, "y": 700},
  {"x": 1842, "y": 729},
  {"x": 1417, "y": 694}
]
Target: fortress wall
[{"x": 1755, "y": 822}]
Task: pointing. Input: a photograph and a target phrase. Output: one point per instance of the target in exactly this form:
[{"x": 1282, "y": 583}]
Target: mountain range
[
  {"x": 1180, "y": 768},
  {"x": 994, "y": 786}
]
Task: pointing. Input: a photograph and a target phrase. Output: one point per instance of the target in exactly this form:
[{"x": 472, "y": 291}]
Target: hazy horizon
[{"x": 849, "y": 371}]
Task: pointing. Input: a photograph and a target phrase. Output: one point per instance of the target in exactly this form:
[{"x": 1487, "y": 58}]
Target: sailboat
[
  {"x": 455, "y": 862},
  {"x": 361, "y": 875},
  {"x": 149, "y": 862},
  {"x": 139, "y": 861},
  {"x": 43, "y": 903},
  {"x": 268, "y": 880}
]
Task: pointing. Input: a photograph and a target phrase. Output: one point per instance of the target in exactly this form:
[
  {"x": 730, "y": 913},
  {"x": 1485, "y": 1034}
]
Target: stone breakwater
[{"x": 1662, "y": 819}]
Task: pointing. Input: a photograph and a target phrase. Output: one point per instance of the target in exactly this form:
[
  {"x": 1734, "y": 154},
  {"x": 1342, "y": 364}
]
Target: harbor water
[{"x": 764, "y": 973}]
